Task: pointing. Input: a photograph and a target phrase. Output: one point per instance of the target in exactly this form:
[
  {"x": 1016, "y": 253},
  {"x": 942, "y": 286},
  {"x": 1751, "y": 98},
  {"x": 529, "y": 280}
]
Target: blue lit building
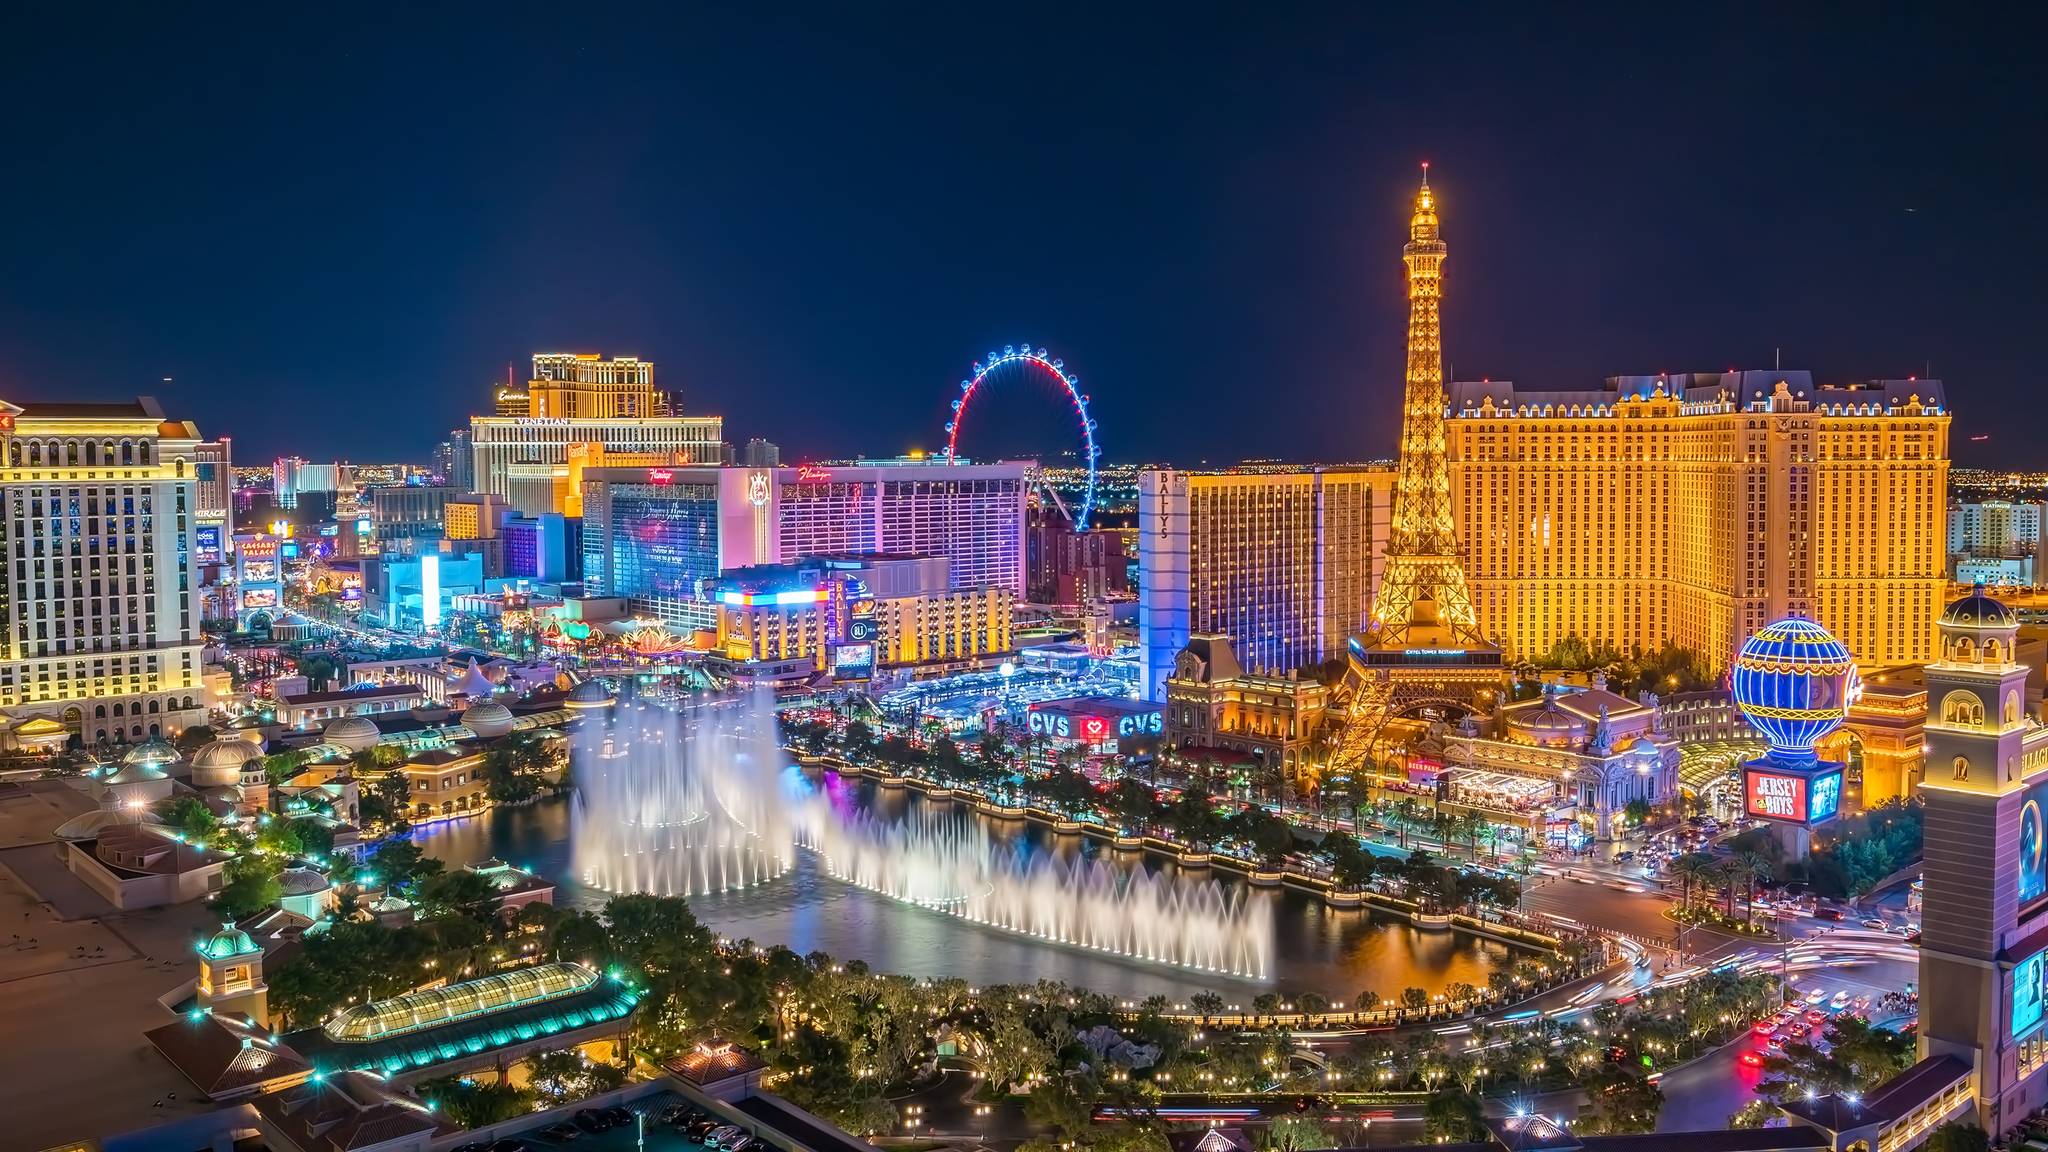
[
  {"x": 547, "y": 547},
  {"x": 1793, "y": 682},
  {"x": 651, "y": 542}
]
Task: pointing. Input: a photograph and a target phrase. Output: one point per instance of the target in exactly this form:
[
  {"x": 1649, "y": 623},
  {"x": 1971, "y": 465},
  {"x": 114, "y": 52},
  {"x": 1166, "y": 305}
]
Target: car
[
  {"x": 1752, "y": 1059},
  {"x": 675, "y": 1114},
  {"x": 741, "y": 1144},
  {"x": 508, "y": 1144},
  {"x": 699, "y": 1128},
  {"x": 1775, "y": 1043},
  {"x": 472, "y": 1146},
  {"x": 1796, "y": 1032},
  {"x": 590, "y": 1120},
  {"x": 1875, "y": 924},
  {"x": 1815, "y": 1016},
  {"x": 619, "y": 1117},
  {"x": 1765, "y": 1027},
  {"x": 562, "y": 1133},
  {"x": 1834, "y": 914},
  {"x": 721, "y": 1134}
]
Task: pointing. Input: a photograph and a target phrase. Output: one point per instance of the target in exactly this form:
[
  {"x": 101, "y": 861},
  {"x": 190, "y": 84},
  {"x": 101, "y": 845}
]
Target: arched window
[
  {"x": 1966, "y": 650},
  {"x": 1961, "y": 768},
  {"x": 99, "y": 712},
  {"x": 1962, "y": 708},
  {"x": 2009, "y": 715},
  {"x": 1994, "y": 652}
]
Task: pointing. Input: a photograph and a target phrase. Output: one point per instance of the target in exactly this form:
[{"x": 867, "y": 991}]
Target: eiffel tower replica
[{"x": 1422, "y": 652}]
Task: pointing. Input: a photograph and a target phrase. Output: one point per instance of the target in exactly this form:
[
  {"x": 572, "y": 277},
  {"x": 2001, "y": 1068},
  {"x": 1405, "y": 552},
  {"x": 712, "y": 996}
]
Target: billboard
[
  {"x": 206, "y": 545},
  {"x": 2033, "y": 878},
  {"x": 861, "y": 626},
  {"x": 259, "y": 572},
  {"x": 2027, "y": 993},
  {"x": 1791, "y": 797},
  {"x": 853, "y": 661},
  {"x": 259, "y": 598}
]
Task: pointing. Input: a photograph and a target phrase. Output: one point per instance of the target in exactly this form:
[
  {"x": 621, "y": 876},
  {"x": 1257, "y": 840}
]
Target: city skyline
[{"x": 385, "y": 266}]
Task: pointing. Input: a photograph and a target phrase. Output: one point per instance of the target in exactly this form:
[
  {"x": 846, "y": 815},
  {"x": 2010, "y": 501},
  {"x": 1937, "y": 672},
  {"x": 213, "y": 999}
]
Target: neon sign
[
  {"x": 808, "y": 474},
  {"x": 1792, "y": 797},
  {"x": 661, "y": 475}
]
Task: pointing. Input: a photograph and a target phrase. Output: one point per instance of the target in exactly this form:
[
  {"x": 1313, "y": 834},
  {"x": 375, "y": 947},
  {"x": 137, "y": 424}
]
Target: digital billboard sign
[
  {"x": 206, "y": 544},
  {"x": 1792, "y": 797},
  {"x": 259, "y": 598},
  {"x": 853, "y": 661},
  {"x": 2027, "y": 993},
  {"x": 259, "y": 571},
  {"x": 2033, "y": 878}
]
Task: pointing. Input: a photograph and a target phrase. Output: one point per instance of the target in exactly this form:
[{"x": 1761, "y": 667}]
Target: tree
[
  {"x": 859, "y": 739},
  {"x": 566, "y": 1074},
  {"x": 248, "y": 886},
  {"x": 1620, "y": 1101},
  {"x": 1207, "y": 1003},
  {"x": 1452, "y": 1116},
  {"x": 1957, "y": 1137},
  {"x": 1638, "y": 812},
  {"x": 1295, "y": 1134},
  {"x": 1135, "y": 804},
  {"x": 319, "y": 671},
  {"x": 1859, "y": 1057},
  {"x": 194, "y": 738},
  {"x": 461, "y": 892},
  {"x": 398, "y": 863},
  {"x": 1351, "y": 866},
  {"x": 473, "y": 1105},
  {"x": 191, "y": 818},
  {"x": 1414, "y": 998}
]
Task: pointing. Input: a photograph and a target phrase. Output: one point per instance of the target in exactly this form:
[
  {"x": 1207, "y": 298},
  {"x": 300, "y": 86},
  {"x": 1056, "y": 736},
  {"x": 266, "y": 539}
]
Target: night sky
[{"x": 334, "y": 227}]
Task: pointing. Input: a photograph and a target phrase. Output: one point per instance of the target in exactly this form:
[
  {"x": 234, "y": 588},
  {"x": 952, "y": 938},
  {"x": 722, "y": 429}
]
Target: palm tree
[
  {"x": 1688, "y": 868},
  {"x": 1756, "y": 866}
]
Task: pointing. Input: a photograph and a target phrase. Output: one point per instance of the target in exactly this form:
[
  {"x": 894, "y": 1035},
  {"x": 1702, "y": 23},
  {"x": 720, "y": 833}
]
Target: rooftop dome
[
  {"x": 589, "y": 694},
  {"x": 221, "y": 763},
  {"x": 302, "y": 882},
  {"x": 111, "y": 813},
  {"x": 1978, "y": 611},
  {"x": 488, "y": 719},
  {"x": 355, "y": 733},
  {"x": 135, "y": 772},
  {"x": 226, "y": 754},
  {"x": 229, "y": 941},
  {"x": 155, "y": 750}
]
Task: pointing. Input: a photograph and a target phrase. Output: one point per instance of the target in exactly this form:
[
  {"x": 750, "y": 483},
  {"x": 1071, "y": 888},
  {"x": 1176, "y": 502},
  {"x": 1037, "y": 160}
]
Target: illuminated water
[{"x": 929, "y": 888}]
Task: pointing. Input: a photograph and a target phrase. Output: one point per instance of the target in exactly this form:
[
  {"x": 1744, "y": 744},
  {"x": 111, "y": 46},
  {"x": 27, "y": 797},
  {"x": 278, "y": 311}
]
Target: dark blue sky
[{"x": 334, "y": 227}]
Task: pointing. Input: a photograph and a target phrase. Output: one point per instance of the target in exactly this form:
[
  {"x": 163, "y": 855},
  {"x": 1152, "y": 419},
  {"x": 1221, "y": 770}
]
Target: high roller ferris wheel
[{"x": 1021, "y": 363}]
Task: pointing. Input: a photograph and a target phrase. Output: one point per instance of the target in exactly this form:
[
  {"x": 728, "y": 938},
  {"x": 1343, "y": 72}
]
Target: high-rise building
[
  {"x": 213, "y": 466},
  {"x": 547, "y": 547},
  {"x": 1996, "y": 527},
  {"x": 572, "y": 385},
  {"x": 761, "y": 454},
  {"x": 1067, "y": 568},
  {"x": 100, "y": 605},
  {"x": 293, "y": 478},
  {"x": 401, "y": 512},
  {"x": 651, "y": 534},
  {"x": 455, "y": 462},
  {"x": 577, "y": 400},
  {"x": 1279, "y": 561},
  {"x": 1984, "y": 941},
  {"x": 1698, "y": 508}
]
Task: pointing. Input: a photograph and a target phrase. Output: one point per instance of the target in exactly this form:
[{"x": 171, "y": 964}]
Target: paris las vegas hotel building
[{"x": 1697, "y": 508}]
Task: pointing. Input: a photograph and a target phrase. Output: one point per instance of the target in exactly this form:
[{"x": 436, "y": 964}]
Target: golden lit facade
[
  {"x": 930, "y": 629},
  {"x": 1214, "y": 704},
  {"x": 1280, "y": 561},
  {"x": 1698, "y": 508},
  {"x": 100, "y": 605},
  {"x": 611, "y": 410},
  {"x": 571, "y": 385}
]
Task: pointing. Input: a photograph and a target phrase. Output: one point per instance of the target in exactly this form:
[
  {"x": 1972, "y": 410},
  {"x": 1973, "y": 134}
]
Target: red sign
[
  {"x": 1094, "y": 729},
  {"x": 1775, "y": 796},
  {"x": 256, "y": 547},
  {"x": 808, "y": 474},
  {"x": 7, "y": 422},
  {"x": 661, "y": 476}
]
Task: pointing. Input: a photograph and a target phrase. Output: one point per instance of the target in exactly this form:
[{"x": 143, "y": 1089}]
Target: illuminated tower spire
[{"x": 1424, "y": 583}]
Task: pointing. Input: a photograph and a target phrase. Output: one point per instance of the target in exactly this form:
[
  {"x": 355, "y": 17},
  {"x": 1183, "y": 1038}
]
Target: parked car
[
  {"x": 619, "y": 1117},
  {"x": 721, "y": 1134},
  {"x": 699, "y": 1128},
  {"x": 740, "y": 1145},
  {"x": 562, "y": 1133},
  {"x": 508, "y": 1144},
  {"x": 591, "y": 1120}
]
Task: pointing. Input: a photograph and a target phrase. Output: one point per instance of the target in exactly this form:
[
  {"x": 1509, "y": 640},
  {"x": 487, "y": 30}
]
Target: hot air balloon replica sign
[{"x": 1794, "y": 683}]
